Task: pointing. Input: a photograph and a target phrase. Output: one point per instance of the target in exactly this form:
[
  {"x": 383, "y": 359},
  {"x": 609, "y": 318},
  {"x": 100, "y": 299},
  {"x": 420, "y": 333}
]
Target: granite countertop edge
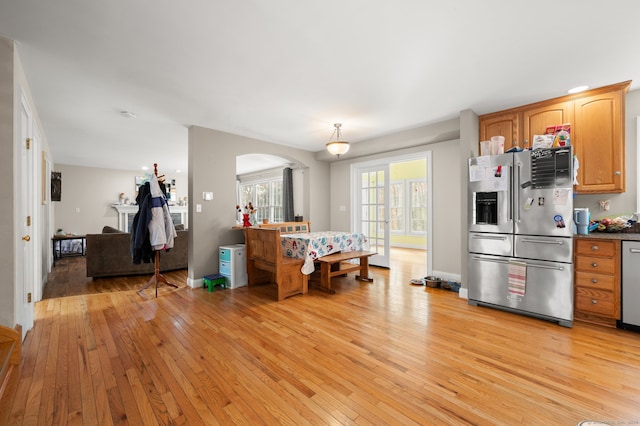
[{"x": 625, "y": 236}]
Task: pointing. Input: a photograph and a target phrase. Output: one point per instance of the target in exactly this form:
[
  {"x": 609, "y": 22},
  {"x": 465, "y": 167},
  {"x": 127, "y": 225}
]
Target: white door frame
[
  {"x": 427, "y": 154},
  {"x": 39, "y": 186},
  {"x": 25, "y": 197}
]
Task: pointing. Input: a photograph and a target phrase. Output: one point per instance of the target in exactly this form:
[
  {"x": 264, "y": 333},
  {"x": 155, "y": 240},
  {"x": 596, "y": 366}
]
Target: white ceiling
[{"x": 285, "y": 70}]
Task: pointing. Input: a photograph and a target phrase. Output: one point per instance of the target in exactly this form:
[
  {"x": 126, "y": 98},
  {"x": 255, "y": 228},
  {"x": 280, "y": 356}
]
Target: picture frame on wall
[{"x": 56, "y": 186}]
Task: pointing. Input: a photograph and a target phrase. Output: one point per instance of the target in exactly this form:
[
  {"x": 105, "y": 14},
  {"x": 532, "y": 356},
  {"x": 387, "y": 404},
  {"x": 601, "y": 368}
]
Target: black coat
[{"x": 141, "y": 250}]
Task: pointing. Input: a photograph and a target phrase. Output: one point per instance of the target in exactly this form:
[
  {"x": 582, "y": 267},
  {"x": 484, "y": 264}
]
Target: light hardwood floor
[{"x": 371, "y": 354}]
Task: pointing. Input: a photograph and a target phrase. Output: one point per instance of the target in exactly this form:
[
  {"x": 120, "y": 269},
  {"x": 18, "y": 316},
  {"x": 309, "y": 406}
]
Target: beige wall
[
  {"x": 212, "y": 168},
  {"x": 92, "y": 190},
  {"x": 469, "y": 140},
  {"x": 7, "y": 231}
]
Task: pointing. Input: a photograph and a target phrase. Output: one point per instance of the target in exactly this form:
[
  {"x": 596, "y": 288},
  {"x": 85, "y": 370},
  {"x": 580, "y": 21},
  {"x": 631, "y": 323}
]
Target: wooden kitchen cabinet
[
  {"x": 599, "y": 142},
  {"x": 501, "y": 124},
  {"x": 597, "y": 281},
  {"x": 597, "y": 132},
  {"x": 536, "y": 119}
]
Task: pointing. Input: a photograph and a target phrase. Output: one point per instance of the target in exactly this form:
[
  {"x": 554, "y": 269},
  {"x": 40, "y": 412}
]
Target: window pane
[
  {"x": 418, "y": 200},
  {"x": 247, "y": 195},
  {"x": 396, "y": 192}
]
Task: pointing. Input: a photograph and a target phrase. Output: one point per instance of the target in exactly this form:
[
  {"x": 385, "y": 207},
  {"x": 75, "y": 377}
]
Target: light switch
[
  {"x": 198, "y": 208},
  {"x": 207, "y": 196},
  {"x": 77, "y": 209},
  {"x": 343, "y": 208}
]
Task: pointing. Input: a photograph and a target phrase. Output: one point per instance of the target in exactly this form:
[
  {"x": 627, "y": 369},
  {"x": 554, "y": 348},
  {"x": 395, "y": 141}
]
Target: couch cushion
[
  {"x": 111, "y": 230},
  {"x": 109, "y": 254}
]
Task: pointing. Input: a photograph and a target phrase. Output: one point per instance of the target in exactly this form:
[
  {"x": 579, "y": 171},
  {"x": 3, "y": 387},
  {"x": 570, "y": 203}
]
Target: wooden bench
[
  {"x": 288, "y": 227},
  {"x": 10, "y": 354},
  {"x": 266, "y": 264},
  {"x": 336, "y": 264}
]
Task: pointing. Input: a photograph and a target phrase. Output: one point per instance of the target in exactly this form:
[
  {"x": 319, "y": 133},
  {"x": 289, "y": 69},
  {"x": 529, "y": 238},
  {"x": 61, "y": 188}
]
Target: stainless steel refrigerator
[{"x": 520, "y": 234}]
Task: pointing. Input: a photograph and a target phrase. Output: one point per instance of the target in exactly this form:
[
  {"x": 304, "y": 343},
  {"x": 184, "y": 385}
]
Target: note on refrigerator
[
  {"x": 561, "y": 196},
  {"x": 479, "y": 168}
]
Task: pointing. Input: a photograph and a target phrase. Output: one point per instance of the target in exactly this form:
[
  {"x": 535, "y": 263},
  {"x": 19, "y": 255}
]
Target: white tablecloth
[{"x": 312, "y": 245}]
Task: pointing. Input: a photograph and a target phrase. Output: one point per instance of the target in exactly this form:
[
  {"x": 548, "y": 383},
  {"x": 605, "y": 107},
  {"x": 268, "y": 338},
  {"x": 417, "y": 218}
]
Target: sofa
[{"x": 108, "y": 254}]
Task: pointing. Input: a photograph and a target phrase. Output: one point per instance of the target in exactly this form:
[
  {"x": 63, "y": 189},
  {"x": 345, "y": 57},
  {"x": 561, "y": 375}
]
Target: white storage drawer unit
[{"x": 233, "y": 265}]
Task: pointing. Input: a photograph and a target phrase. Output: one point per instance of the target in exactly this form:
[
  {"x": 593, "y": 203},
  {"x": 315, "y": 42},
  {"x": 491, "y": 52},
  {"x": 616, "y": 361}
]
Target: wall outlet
[{"x": 198, "y": 208}]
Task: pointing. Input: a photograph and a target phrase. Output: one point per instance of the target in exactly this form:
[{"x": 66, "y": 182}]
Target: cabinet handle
[
  {"x": 594, "y": 280},
  {"x": 593, "y": 301},
  {"x": 617, "y": 173},
  {"x": 594, "y": 264},
  {"x": 595, "y": 248}
]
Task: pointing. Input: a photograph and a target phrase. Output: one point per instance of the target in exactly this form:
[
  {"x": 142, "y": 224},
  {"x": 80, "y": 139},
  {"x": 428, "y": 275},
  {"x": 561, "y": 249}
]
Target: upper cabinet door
[
  {"x": 536, "y": 120},
  {"x": 501, "y": 124},
  {"x": 599, "y": 142}
]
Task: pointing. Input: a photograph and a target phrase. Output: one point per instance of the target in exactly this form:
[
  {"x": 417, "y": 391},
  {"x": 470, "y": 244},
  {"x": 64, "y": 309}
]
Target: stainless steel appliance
[
  {"x": 520, "y": 236},
  {"x": 630, "y": 286}
]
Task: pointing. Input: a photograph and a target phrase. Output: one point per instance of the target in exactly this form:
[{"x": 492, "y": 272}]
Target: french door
[{"x": 372, "y": 210}]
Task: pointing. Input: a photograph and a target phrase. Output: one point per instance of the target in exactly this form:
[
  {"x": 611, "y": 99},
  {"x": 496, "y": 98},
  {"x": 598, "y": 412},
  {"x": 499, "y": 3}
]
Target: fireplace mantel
[{"x": 126, "y": 212}]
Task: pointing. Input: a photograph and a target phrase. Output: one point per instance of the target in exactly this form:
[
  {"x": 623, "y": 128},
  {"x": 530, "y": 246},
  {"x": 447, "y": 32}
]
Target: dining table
[{"x": 312, "y": 245}]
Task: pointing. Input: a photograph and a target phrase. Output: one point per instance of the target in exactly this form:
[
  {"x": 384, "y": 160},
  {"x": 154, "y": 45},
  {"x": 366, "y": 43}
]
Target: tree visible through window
[
  {"x": 418, "y": 203},
  {"x": 266, "y": 197},
  {"x": 412, "y": 194}
]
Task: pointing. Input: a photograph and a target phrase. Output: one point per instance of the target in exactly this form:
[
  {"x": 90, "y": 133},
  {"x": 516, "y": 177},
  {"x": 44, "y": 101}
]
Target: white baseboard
[
  {"x": 464, "y": 293},
  {"x": 194, "y": 283},
  {"x": 447, "y": 276},
  {"x": 409, "y": 246}
]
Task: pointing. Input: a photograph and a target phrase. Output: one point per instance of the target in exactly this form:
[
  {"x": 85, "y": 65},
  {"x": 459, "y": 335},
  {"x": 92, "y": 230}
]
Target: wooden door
[{"x": 372, "y": 211}]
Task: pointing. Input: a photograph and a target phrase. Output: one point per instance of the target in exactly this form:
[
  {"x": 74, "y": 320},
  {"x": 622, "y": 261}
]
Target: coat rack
[{"x": 157, "y": 276}]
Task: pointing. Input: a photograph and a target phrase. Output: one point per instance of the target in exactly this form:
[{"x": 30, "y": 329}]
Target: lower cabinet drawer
[
  {"x": 602, "y": 265},
  {"x": 595, "y": 301},
  {"x": 598, "y": 281},
  {"x": 602, "y": 248}
]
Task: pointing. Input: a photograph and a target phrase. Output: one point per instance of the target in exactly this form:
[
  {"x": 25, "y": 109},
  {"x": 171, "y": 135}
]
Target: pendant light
[{"x": 336, "y": 145}]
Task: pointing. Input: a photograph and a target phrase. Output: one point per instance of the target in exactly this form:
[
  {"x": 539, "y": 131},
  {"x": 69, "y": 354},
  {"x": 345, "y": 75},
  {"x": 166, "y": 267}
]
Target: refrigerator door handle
[
  {"x": 516, "y": 195},
  {"x": 532, "y": 265},
  {"x": 489, "y": 237},
  {"x": 484, "y": 259},
  {"x": 634, "y": 250},
  {"x": 545, "y": 242},
  {"x": 510, "y": 204},
  {"x": 557, "y": 268}
]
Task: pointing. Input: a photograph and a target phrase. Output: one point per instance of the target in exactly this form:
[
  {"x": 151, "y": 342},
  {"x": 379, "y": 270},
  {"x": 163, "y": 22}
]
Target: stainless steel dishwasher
[{"x": 630, "y": 285}]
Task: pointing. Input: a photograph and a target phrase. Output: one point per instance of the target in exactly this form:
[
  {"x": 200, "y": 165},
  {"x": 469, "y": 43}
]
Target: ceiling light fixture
[
  {"x": 577, "y": 89},
  {"x": 127, "y": 114},
  {"x": 336, "y": 145}
]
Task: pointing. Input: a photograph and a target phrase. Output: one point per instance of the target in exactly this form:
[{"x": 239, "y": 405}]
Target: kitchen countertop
[{"x": 630, "y": 236}]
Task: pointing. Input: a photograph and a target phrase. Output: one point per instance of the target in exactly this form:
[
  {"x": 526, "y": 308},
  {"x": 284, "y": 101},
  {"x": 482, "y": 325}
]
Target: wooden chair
[{"x": 266, "y": 264}]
